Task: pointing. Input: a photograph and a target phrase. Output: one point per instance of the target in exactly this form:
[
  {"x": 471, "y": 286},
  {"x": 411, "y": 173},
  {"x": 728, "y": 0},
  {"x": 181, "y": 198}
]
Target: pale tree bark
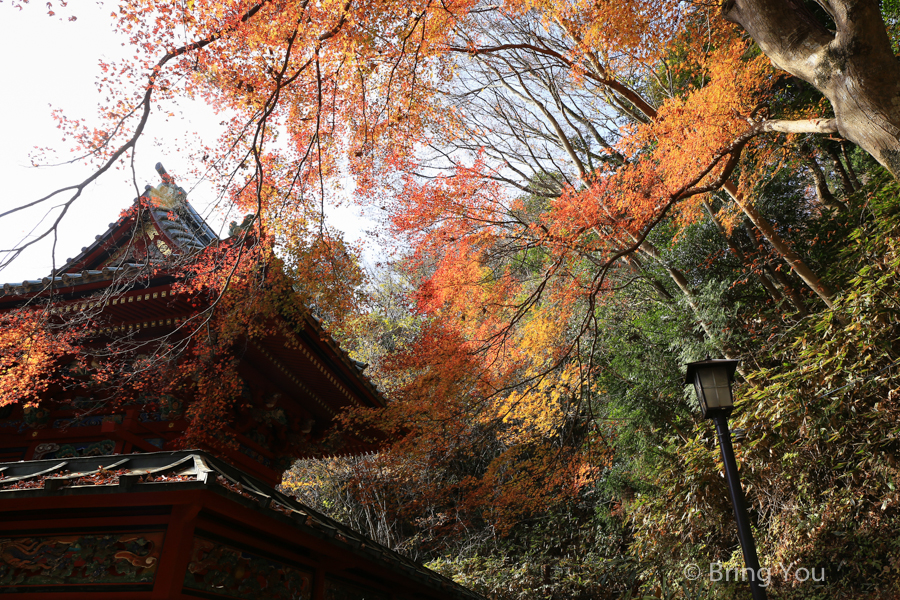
[
  {"x": 647, "y": 249},
  {"x": 854, "y": 67},
  {"x": 781, "y": 246},
  {"x": 778, "y": 276},
  {"x": 823, "y": 193},
  {"x": 651, "y": 251},
  {"x": 763, "y": 279},
  {"x": 638, "y": 269}
]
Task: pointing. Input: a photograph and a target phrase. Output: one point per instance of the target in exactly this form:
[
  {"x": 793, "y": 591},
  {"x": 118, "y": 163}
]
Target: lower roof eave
[{"x": 146, "y": 488}]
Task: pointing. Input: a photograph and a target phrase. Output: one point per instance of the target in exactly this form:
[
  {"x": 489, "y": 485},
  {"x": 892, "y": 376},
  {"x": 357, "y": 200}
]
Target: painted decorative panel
[
  {"x": 91, "y": 421},
  {"x": 12, "y": 426},
  {"x": 339, "y": 589},
  {"x": 233, "y": 573},
  {"x": 65, "y": 560},
  {"x": 74, "y": 450}
]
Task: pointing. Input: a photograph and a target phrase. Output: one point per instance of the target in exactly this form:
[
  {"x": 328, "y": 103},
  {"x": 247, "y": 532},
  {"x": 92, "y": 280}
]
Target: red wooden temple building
[{"x": 98, "y": 501}]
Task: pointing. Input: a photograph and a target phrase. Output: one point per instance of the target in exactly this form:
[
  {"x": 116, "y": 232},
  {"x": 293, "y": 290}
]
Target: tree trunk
[
  {"x": 854, "y": 180},
  {"x": 761, "y": 277},
  {"x": 847, "y": 186},
  {"x": 822, "y": 192},
  {"x": 635, "y": 265},
  {"x": 778, "y": 276},
  {"x": 681, "y": 281},
  {"x": 781, "y": 246},
  {"x": 854, "y": 67}
]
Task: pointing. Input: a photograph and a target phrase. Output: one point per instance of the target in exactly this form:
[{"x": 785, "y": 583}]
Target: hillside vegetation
[{"x": 817, "y": 400}]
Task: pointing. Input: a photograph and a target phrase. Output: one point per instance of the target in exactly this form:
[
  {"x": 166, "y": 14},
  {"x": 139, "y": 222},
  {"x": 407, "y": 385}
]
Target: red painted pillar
[
  {"x": 176, "y": 552},
  {"x": 318, "y": 583}
]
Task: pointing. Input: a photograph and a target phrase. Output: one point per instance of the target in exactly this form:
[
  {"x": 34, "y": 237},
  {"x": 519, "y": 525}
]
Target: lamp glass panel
[
  {"x": 699, "y": 389},
  {"x": 716, "y": 386}
]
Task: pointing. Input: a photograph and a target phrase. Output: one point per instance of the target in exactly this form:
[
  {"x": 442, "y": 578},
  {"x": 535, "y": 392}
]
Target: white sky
[{"x": 52, "y": 63}]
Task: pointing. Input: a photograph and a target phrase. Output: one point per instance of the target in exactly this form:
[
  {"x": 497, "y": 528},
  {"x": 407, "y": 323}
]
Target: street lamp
[{"x": 712, "y": 380}]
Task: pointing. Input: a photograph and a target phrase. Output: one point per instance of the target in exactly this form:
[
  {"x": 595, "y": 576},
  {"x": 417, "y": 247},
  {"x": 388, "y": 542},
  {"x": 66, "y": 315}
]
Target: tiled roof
[
  {"x": 195, "y": 469},
  {"x": 69, "y": 279},
  {"x": 178, "y": 220}
]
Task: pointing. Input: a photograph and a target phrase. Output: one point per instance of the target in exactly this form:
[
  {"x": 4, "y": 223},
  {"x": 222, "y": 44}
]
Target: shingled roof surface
[{"x": 193, "y": 470}]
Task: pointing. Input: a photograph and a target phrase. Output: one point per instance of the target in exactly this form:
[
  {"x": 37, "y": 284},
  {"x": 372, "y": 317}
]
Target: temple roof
[
  {"x": 165, "y": 225},
  {"x": 192, "y": 470},
  {"x": 169, "y": 212},
  {"x": 125, "y": 284}
]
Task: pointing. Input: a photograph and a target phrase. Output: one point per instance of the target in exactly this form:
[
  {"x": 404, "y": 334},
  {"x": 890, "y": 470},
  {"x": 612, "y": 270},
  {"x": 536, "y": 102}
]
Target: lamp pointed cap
[{"x": 728, "y": 363}]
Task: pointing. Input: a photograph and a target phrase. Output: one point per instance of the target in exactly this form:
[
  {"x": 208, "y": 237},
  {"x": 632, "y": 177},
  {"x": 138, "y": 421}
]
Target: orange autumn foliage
[
  {"x": 472, "y": 455},
  {"x": 30, "y": 353},
  {"x": 515, "y": 288},
  {"x": 313, "y": 92}
]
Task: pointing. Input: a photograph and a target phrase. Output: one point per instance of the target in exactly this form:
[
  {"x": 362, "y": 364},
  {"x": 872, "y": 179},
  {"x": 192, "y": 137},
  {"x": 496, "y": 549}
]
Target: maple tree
[
  {"x": 569, "y": 178},
  {"x": 356, "y": 82},
  {"x": 30, "y": 354}
]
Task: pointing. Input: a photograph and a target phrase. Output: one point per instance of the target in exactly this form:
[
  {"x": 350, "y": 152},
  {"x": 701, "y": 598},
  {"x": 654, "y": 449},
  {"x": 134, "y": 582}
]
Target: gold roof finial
[{"x": 167, "y": 194}]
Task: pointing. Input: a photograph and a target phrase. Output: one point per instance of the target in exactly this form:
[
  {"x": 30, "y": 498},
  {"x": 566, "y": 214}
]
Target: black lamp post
[{"x": 712, "y": 379}]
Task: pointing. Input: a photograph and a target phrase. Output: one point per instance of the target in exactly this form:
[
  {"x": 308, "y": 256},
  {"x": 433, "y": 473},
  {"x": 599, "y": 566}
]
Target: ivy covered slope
[{"x": 821, "y": 409}]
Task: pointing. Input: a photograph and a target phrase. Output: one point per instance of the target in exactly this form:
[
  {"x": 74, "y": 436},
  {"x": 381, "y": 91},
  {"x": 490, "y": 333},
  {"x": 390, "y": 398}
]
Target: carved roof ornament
[
  {"x": 170, "y": 228},
  {"x": 235, "y": 230},
  {"x": 166, "y": 194}
]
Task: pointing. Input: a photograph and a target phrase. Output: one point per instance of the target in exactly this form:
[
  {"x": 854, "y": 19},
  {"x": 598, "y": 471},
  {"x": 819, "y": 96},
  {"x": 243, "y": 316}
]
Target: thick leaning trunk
[
  {"x": 778, "y": 276},
  {"x": 854, "y": 67},
  {"x": 869, "y": 119}
]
